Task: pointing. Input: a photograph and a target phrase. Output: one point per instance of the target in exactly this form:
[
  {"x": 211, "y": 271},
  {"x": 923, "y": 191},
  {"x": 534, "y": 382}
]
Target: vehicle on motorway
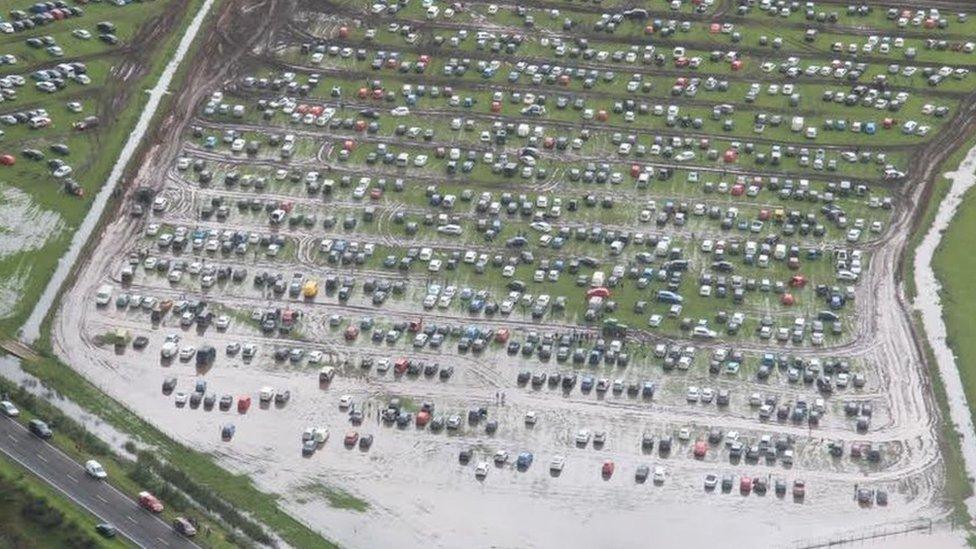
[
  {"x": 150, "y": 502},
  {"x": 106, "y": 530},
  {"x": 8, "y": 409},
  {"x": 95, "y": 470},
  {"x": 40, "y": 429}
]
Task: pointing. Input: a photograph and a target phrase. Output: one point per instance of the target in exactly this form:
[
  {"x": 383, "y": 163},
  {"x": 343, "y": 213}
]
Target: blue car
[{"x": 524, "y": 460}]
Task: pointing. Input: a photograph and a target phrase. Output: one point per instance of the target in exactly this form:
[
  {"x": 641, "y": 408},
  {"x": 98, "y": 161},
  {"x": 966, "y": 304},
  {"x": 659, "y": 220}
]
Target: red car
[
  {"x": 352, "y": 437},
  {"x": 701, "y": 448},
  {"x": 149, "y": 502},
  {"x": 352, "y": 333},
  {"x": 243, "y": 403},
  {"x": 745, "y": 485},
  {"x": 799, "y": 489},
  {"x": 400, "y": 365},
  {"x": 607, "y": 469}
]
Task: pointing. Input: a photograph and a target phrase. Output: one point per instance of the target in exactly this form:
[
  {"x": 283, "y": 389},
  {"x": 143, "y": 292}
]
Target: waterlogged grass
[{"x": 337, "y": 497}]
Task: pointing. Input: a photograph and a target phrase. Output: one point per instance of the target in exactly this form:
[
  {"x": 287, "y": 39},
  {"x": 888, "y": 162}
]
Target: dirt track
[{"x": 420, "y": 497}]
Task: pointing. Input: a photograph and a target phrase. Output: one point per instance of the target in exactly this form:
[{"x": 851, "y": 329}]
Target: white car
[
  {"x": 8, "y": 408},
  {"x": 63, "y": 171},
  {"x": 345, "y": 401},
  {"x": 95, "y": 470},
  {"x": 481, "y": 471},
  {"x": 186, "y": 353},
  {"x": 582, "y": 437},
  {"x": 267, "y": 393},
  {"x": 530, "y": 418},
  {"x": 315, "y": 357},
  {"x": 223, "y": 321},
  {"x": 168, "y": 350},
  {"x": 659, "y": 474},
  {"x": 557, "y": 464},
  {"x": 693, "y": 394}
]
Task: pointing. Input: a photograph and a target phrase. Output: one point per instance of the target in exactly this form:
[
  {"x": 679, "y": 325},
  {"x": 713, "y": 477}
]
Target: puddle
[{"x": 24, "y": 226}]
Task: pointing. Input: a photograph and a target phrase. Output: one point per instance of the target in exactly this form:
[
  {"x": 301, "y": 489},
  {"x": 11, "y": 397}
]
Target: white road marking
[
  {"x": 11, "y": 437},
  {"x": 73, "y": 479},
  {"x": 101, "y": 499},
  {"x": 164, "y": 542},
  {"x": 132, "y": 519},
  {"x": 42, "y": 458}
]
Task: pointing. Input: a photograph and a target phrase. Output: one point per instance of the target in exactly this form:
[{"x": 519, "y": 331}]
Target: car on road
[
  {"x": 40, "y": 429},
  {"x": 106, "y": 530},
  {"x": 150, "y": 502},
  {"x": 95, "y": 470},
  {"x": 8, "y": 408}
]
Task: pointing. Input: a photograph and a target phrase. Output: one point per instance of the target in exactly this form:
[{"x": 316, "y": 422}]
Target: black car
[
  {"x": 365, "y": 442},
  {"x": 168, "y": 385},
  {"x": 140, "y": 342},
  {"x": 40, "y": 429}
]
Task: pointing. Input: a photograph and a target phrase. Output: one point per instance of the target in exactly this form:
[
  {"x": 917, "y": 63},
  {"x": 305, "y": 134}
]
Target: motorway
[{"x": 98, "y": 497}]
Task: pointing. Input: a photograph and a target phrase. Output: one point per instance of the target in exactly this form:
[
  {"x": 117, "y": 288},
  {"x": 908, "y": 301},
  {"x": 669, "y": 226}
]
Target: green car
[{"x": 106, "y": 530}]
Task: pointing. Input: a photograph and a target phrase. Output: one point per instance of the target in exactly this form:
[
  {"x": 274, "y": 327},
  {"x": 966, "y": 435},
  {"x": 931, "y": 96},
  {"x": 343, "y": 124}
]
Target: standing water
[{"x": 928, "y": 303}]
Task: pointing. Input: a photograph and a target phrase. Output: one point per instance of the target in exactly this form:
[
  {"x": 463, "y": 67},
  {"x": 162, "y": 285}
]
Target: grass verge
[{"x": 32, "y": 514}]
